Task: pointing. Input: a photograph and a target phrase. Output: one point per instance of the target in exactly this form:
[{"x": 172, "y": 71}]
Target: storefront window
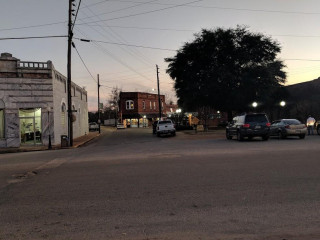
[{"x": 30, "y": 126}]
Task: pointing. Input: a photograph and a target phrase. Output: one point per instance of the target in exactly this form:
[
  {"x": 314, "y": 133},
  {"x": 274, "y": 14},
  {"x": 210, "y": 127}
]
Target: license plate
[{"x": 257, "y": 127}]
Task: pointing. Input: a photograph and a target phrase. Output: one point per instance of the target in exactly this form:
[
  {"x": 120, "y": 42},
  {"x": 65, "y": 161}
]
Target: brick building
[
  {"x": 138, "y": 109},
  {"x": 33, "y": 100}
]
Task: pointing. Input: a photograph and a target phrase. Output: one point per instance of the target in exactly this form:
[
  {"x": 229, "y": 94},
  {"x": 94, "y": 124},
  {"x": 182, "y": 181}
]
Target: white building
[{"x": 33, "y": 103}]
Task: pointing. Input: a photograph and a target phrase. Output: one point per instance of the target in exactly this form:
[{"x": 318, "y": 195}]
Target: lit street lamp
[
  {"x": 254, "y": 104},
  {"x": 282, "y": 105},
  {"x": 178, "y": 111}
]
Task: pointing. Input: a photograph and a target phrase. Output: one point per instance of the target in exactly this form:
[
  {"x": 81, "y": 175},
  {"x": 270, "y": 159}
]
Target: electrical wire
[
  {"x": 24, "y": 38},
  {"x": 123, "y": 44},
  {"x": 121, "y": 9},
  {"x": 147, "y": 12},
  {"x": 32, "y": 26},
  {"x": 224, "y": 8},
  {"x": 135, "y": 53},
  {"x": 116, "y": 58},
  {"x": 74, "y": 46}
]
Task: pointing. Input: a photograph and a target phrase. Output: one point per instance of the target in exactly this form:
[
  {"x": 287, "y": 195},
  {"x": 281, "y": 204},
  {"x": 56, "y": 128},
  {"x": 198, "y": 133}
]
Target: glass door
[
  {"x": 27, "y": 131},
  {"x": 30, "y": 126}
]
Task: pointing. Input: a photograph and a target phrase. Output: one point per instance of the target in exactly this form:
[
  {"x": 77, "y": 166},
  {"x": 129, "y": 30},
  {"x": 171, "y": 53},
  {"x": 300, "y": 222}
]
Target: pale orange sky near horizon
[{"x": 153, "y": 23}]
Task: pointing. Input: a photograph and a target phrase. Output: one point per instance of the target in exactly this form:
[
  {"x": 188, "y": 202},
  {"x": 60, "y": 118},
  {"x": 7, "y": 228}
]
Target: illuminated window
[{"x": 129, "y": 105}]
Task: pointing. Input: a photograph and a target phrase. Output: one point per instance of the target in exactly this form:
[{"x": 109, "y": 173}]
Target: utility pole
[
  {"x": 70, "y": 35},
  {"x": 99, "y": 121},
  {"x": 160, "y": 110}
]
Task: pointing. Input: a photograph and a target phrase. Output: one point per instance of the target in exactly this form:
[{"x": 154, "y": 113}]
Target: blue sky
[{"x": 159, "y": 24}]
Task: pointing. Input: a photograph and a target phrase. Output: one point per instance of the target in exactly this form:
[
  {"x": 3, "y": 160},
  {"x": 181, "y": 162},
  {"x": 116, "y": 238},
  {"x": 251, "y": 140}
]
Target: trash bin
[{"x": 64, "y": 141}]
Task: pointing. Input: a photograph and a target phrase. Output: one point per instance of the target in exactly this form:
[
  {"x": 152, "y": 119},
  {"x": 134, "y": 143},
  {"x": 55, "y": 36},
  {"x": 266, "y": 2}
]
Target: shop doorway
[{"x": 30, "y": 126}]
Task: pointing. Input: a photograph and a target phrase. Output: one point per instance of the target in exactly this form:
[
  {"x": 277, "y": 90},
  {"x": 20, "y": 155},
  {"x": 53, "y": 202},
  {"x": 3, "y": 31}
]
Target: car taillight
[
  {"x": 247, "y": 125},
  {"x": 268, "y": 124},
  {"x": 287, "y": 126}
]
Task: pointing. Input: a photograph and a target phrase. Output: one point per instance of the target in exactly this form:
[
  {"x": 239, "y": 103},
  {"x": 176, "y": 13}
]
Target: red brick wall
[{"x": 138, "y": 99}]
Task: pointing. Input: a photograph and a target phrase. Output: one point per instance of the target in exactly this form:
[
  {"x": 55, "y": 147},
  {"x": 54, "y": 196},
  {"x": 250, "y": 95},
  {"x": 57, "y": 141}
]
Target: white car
[
  {"x": 165, "y": 127},
  {"x": 93, "y": 126}
]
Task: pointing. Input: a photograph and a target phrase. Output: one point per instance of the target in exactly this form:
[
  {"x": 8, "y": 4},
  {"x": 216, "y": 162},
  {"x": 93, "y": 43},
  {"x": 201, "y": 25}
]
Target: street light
[
  {"x": 49, "y": 145},
  {"x": 282, "y": 105},
  {"x": 178, "y": 111},
  {"x": 254, "y": 104},
  {"x": 144, "y": 120}
]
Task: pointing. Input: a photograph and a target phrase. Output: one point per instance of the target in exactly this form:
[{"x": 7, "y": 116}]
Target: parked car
[
  {"x": 249, "y": 125},
  {"x": 120, "y": 126},
  {"x": 288, "y": 127},
  {"x": 93, "y": 126},
  {"x": 165, "y": 127}
]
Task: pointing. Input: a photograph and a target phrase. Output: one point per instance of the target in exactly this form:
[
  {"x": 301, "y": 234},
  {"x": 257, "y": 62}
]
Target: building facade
[
  {"x": 33, "y": 104},
  {"x": 138, "y": 109}
]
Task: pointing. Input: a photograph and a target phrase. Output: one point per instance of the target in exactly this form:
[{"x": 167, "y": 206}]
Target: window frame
[{"x": 129, "y": 105}]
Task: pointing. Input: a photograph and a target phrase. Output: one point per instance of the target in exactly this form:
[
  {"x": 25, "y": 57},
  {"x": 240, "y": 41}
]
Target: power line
[
  {"x": 225, "y": 8},
  {"x": 190, "y": 30},
  {"x": 123, "y": 44},
  {"x": 142, "y": 13},
  {"x": 118, "y": 38},
  {"x": 93, "y": 4},
  {"x": 121, "y": 9},
  {"x": 23, "y": 38},
  {"x": 32, "y": 26},
  {"x": 74, "y": 46},
  {"x": 116, "y": 58},
  {"x": 147, "y": 28}
]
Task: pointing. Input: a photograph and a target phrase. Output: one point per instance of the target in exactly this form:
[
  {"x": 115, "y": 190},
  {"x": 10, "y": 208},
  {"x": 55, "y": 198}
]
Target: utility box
[{"x": 64, "y": 141}]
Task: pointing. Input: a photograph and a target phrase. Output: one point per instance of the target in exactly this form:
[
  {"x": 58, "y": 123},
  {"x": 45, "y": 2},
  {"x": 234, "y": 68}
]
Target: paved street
[{"x": 129, "y": 184}]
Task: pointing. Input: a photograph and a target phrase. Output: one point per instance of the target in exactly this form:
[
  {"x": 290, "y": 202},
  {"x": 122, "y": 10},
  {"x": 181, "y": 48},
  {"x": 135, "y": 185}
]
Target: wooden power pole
[
  {"x": 70, "y": 35},
  {"x": 160, "y": 107}
]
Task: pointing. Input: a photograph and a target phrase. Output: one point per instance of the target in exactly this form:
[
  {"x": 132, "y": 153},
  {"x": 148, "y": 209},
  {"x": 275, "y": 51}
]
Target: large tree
[{"x": 226, "y": 69}]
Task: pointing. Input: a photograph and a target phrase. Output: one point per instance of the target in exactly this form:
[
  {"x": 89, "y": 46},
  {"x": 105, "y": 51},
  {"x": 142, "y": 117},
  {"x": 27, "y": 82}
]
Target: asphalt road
[{"x": 129, "y": 184}]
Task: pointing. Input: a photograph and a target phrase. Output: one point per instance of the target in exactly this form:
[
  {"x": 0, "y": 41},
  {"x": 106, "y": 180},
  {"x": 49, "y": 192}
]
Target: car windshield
[
  {"x": 165, "y": 122},
  {"x": 292, "y": 122},
  {"x": 260, "y": 118}
]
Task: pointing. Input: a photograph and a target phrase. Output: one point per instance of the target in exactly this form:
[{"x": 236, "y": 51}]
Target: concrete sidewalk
[{"x": 77, "y": 142}]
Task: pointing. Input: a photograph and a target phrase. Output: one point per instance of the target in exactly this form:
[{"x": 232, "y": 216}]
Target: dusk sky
[{"x": 163, "y": 25}]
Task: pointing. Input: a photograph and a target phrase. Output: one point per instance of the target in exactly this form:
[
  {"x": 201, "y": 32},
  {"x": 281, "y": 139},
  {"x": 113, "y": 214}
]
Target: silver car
[{"x": 288, "y": 127}]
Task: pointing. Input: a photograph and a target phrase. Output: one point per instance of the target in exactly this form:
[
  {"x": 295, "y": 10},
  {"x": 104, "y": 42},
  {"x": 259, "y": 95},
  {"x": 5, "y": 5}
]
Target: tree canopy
[{"x": 226, "y": 69}]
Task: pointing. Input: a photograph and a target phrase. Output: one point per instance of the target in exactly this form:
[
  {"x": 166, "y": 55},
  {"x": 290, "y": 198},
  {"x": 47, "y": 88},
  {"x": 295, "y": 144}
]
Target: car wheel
[
  {"x": 265, "y": 137},
  {"x": 302, "y": 136},
  {"x": 239, "y": 136},
  {"x": 228, "y": 136}
]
